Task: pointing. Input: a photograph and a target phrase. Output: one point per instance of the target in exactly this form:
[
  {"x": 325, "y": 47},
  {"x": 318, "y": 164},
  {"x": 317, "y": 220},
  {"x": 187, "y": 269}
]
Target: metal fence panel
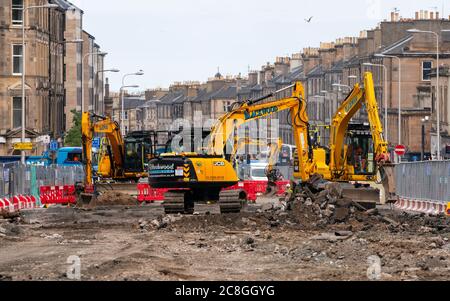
[
  {"x": 16, "y": 179},
  {"x": 427, "y": 181}
]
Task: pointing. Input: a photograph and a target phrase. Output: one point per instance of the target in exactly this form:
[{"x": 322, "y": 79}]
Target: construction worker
[{"x": 288, "y": 196}]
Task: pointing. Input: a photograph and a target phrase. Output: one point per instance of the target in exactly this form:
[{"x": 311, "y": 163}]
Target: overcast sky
[{"x": 178, "y": 40}]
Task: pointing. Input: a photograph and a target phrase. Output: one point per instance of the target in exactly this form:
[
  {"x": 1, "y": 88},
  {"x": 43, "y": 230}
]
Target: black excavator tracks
[
  {"x": 230, "y": 202},
  {"x": 178, "y": 202},
  {"x": 174, "y": 202},
  {"x": 181, "y": 202}
]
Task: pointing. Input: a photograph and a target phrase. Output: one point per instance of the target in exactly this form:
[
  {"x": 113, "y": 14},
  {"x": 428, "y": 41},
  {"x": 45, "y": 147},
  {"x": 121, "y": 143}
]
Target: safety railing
[
  {"x": 424, "y": 181},
  {"x": 18, "y": 179}
]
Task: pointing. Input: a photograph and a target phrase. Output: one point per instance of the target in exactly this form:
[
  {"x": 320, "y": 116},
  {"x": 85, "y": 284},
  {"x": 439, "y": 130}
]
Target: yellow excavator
[
  {"x": 274, "y": 147},
  {"x": 202, "y": 176},
  {"x": 120, "y": 161}
]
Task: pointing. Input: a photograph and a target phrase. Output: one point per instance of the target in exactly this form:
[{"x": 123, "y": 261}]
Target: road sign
[
  {"x": 400, "y": 150},
  {"x": 54, "y": 145},
  {"x": 27, "y": 146},
  {"x": 96, "y": 143}
]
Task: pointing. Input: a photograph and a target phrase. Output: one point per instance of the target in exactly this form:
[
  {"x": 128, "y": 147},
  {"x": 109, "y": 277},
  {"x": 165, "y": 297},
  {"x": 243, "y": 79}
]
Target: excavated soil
[
  {"x": 264, "y": 242},
  {"x": 114, "y": 198}
]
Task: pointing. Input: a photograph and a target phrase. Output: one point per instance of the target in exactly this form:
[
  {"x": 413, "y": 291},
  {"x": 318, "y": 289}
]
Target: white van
[{"x": 253, "y": 172}]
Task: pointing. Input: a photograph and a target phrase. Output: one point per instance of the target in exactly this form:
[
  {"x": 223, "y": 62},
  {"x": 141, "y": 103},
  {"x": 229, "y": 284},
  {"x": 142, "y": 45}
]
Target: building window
[
  {"x": 17, "y": 58},
  {"x": 126, "y": 115},
  {"x": 16, "y": 12},
  {"x": 17, "y": 112},
  {"x": 79, "y": 72},
  {"x": 426, "y": 70}
]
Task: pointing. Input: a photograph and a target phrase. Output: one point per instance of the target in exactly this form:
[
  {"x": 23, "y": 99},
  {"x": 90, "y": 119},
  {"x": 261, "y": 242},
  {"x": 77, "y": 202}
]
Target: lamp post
[
  {"x": 399, "y": 94},
  {"x": 438, "y": 99},
  {"x": 384, "y": 96},
  {"x": 122, "y": 114},
  {"x": 114, "y": 70},
  {"x": 350, "y": 77},
  {"x": 49, "y": 6},
  {"x": 342, "y": 86},
  {"x": 424, "y": 120},
  {"x": 82, "y": 75}
]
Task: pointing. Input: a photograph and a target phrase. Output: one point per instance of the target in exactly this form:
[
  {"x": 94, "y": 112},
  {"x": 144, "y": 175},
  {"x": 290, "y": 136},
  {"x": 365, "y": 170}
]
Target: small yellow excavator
[
  {"x": 121, "y": 160},
  {"x": 202, "y": 176}
]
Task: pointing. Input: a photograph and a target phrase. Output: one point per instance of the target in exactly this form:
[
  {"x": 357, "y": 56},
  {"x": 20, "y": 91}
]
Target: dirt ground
[{"x": 141, "y": 243}]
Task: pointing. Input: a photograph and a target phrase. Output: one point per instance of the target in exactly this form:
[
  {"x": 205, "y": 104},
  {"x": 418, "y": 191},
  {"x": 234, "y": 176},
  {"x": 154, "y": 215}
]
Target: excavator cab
[
  {"x": 360, "y": 149},
  {"x": 134, "y": 156}
]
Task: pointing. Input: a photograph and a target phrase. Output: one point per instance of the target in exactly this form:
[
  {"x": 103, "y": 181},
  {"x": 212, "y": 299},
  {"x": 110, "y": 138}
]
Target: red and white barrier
[
  {"x": 6, "y": 205},
  {"x": 252, "y": 189},
  {"x": 428, "y": 207},
  {"x": 51, "y": 195},
  {"x": 17, "y": 203}
]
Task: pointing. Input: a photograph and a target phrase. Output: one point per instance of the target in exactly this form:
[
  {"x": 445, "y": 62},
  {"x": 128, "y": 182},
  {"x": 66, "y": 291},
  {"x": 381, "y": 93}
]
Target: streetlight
[
  {"x": 424, "y": 120},
  {"x": 113, "y": 70},
  {"x": 384, "y": 95},
  {"x": 49, "y": 6},
  {"x": 82, "y": 75},
  {"x": 438, "y": 104},
  {"x": 342, "y": 86},
  {"x": 122, "y": 115},
  {"x": 399, "y": 93},
  {"x": 122, "y": 123}
]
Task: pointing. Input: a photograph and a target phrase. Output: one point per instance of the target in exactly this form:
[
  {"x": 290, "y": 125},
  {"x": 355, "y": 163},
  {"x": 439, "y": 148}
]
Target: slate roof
[
  {"x": 338, "y": 66},
  {"x": 174, "y": 97},
  {"x": 316, "y": 71},
  {"x": 225, "y": 93},
  {"x": 130, "y": 103},
  {"x": 398, "y": 47}
]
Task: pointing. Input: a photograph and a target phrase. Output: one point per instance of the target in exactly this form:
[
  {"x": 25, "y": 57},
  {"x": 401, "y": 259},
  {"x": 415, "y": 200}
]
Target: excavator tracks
[
  {"x": 230, "y": 202},
  {"x": 174, "y": 203}
]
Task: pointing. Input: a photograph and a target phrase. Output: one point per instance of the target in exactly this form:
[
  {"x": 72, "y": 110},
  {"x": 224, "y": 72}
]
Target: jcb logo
[
  {"x": 219, "y": 164},
  {"x": 104, "y": 127}
]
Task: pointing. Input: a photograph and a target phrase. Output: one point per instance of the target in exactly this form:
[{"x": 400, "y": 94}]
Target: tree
[{"x": 73, "y": 136}]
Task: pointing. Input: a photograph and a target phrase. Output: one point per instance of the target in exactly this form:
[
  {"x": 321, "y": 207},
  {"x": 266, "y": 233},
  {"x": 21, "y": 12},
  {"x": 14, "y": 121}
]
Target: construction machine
[
  {"x": 198, "y": 177},
  {"x": 121, "y": 160},
  {"x": 201, "y": 177}
]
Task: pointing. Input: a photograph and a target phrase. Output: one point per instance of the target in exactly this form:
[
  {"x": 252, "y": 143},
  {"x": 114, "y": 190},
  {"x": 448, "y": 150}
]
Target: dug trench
[{"x": 321, "y": 239}]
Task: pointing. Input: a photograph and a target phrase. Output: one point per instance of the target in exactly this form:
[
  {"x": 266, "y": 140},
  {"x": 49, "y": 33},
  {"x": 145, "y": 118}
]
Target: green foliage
[{"x": 73, "y": 136}]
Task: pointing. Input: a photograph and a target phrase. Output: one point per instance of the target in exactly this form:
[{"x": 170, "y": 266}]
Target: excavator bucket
[
  {"x": 366, "y": 196},
  {"x": 86, "y": 198},
  {"x": 387, "y": 175},
  {"x": 85, "y": 194},
  {"x": 272, "y": 189}
]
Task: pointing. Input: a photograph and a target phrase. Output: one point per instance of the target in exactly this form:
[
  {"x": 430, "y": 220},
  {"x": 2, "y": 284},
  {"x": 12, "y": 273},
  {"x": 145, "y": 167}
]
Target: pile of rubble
[{"x": 328, "y": 206}]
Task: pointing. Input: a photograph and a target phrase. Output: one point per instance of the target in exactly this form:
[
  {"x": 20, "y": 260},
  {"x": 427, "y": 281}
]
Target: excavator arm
[
  {"x": 242, "y": 113},
  {"x": 339, "y": 128},
  {"x": 86, "y": 138},
  {"x": 111, "y": 130}
]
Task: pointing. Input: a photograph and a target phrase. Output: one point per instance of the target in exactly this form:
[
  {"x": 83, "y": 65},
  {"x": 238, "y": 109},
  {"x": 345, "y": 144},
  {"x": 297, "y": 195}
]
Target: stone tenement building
[
  {"x": 328, "y": 73},
  {"x": 53, "y": 72}
]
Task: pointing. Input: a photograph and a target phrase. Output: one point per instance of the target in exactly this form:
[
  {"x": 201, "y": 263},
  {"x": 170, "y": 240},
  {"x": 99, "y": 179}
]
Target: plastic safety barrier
[
  {"x": 6, "y": 205},
  {"x": 51, "y": 195},
  {"x": 428, "y": 207},
  {"x": 149, "y": 194},
  {"x": 17, "y": 203},
  {"x": 252, "y": 189}
]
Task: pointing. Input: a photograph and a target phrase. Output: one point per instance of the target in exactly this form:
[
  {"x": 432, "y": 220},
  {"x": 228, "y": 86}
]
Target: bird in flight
[{"x": 308, "y": 20}]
